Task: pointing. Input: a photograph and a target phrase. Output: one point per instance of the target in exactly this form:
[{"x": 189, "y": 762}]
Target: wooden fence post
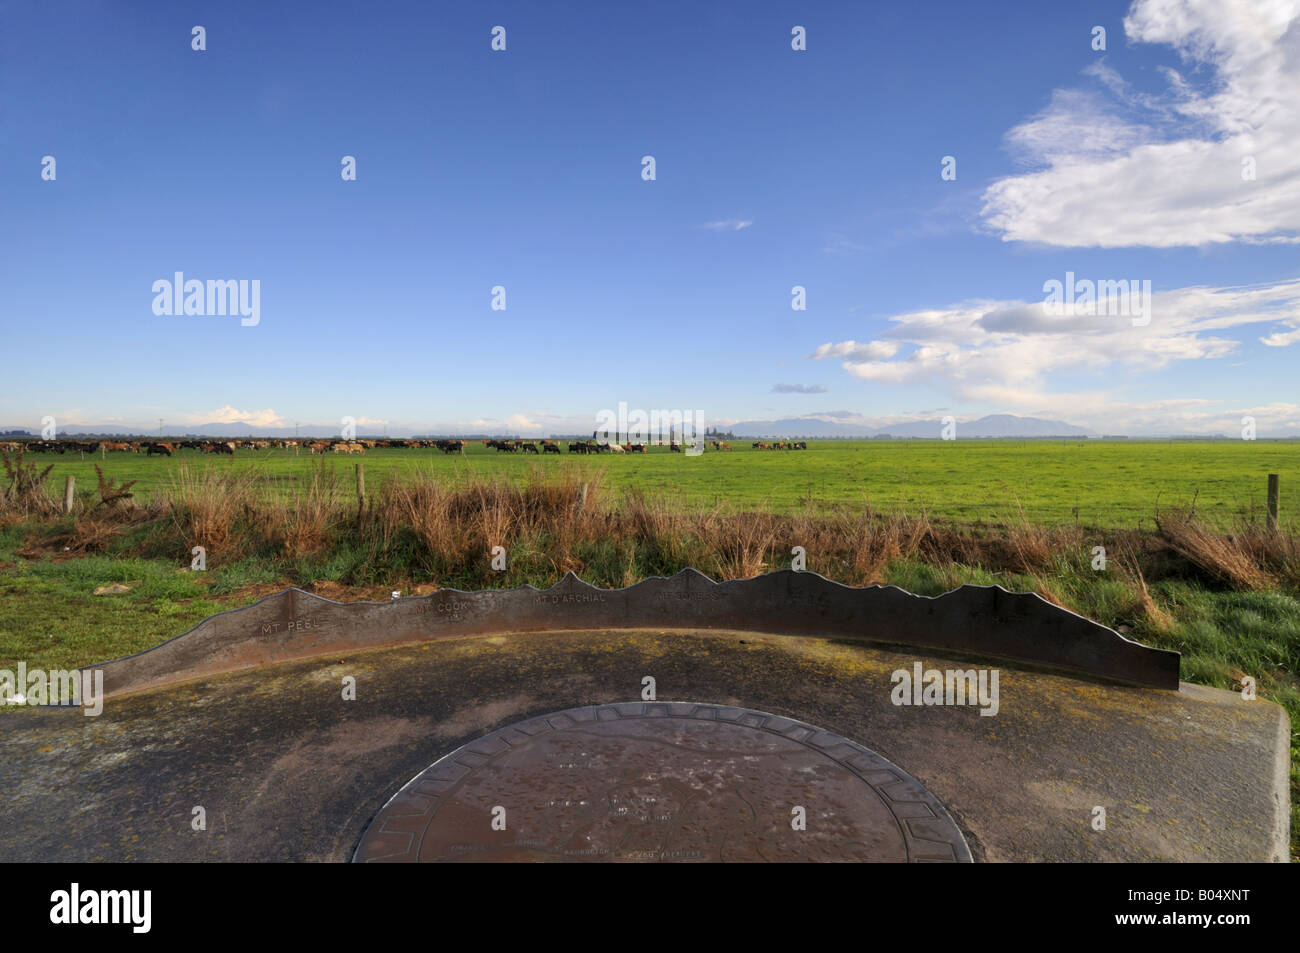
[
  {"x": 361, "y": 485},
  {"x": 1272, "y": 500},
  {"x": 68, "y": 491}
]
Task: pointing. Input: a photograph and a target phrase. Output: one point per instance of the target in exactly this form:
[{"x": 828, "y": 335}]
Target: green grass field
[{"x": 1107, "y": 484}]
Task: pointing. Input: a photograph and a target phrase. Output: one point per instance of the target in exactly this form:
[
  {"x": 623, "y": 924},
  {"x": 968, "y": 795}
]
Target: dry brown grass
[
  {"x": 94, "y": 533},
  {"x": 1033, "y": 548},
  {"x": 670, "y": 536},
  {"x": 1276, "y": 552},
  {"x": 206, "y": 506},
  {"x": 26, "y": 493},
  {"x": 304, "y": 526},
  {"x": 1217, "y": 554},
  {"x": 1129, "y": 566},
  {"x": 869, "y": 541},
  {"x": 745, "y": 544},
  {"x": 432, "y": 528},
  {"x": 456, "y": 522}
]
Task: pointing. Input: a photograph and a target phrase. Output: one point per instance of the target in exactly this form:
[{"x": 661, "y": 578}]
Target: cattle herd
[
  {"x": 360, "y": 446},
  {"x": 574, "y": 446},
  {"x": 583, "y": 446},
  {"x": 339, "y": 445},
  {"x": 228, "y": 447}
]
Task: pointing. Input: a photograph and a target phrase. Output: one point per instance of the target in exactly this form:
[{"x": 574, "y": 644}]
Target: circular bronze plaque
[{"x": 662, "y": 781}]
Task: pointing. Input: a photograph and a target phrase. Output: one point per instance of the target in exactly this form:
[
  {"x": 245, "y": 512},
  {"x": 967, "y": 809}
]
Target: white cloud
[
  {"x": 231, "y": 415},
  {"x": 1003, "y": 352},
  {"x": 1205, "y": 417},
  {"x": 870, "y": 351},
  {"x": 1284, "y": 338},
  {"x": 522, "y": 422},
  {"x": 1076, "y": 125},
  {"x": 530, "y": 422},
  {"x": 728, "y": 224},
  {"x": 1128, "y": 169}
]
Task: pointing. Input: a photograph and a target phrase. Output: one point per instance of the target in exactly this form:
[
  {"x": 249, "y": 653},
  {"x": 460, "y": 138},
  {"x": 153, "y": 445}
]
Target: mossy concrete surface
[{"x": 286, "y": 769}]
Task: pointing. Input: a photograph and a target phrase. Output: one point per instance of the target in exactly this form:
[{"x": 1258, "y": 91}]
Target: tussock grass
[
  {"x": 1221, "y": 555},
  {"x": 431, "y": 526},
  {"x": 212, "y": 508}
]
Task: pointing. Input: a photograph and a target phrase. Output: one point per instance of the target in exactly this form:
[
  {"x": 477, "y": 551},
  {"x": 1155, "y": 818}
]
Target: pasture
[{"x": 1050, "y": 483}]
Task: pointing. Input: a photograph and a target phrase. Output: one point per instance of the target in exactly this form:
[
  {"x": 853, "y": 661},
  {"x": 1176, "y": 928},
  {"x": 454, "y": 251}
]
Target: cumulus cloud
[
  {"x": 1114, "y": 168},
  {"x": 523, "y": 422},
  {"x": 870, "y": 351},
  {"x": 535, "y": 422},
  {"x": 1004, "y": 351},
  {"x": 232, "y": 415},
  {"x": 1284, "y": 338}
]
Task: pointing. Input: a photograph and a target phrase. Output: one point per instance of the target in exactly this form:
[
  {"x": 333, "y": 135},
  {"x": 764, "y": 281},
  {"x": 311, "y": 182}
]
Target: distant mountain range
[{"x": 994, "y": 425}]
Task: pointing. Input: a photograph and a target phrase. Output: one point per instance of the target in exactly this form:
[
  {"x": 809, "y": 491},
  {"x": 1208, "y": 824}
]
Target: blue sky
[{"x": 775, "y": 168}]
